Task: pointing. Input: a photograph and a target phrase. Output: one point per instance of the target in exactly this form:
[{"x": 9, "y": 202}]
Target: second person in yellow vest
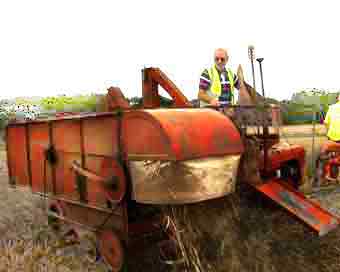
[{"x": 332, "y": 121}]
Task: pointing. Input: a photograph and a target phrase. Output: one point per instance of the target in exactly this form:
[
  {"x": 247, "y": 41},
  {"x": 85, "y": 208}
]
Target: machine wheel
[
  {"x": 57, "y": 208},
  {"x": 115, "y": 186},
  {"x": 111, "y": 249}
]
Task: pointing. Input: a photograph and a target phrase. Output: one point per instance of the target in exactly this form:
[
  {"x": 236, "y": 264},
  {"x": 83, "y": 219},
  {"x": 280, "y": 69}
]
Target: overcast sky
[{"x": 70, "y": 46}]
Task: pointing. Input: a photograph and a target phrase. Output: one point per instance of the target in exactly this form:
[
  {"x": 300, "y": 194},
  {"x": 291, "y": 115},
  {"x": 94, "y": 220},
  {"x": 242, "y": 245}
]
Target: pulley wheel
[
  {"x": 111, "y": 249},
  {"x": 115, "y": 185}
]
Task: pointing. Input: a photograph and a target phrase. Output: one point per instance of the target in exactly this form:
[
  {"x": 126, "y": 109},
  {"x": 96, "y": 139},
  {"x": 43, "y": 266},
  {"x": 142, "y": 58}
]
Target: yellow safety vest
[
  {"x": 332, "y": 120},
  {"x": 215, "y": 82}
]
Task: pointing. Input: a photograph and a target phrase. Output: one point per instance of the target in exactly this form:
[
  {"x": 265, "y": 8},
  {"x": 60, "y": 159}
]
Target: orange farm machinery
[{"x": 91, "y": 167}]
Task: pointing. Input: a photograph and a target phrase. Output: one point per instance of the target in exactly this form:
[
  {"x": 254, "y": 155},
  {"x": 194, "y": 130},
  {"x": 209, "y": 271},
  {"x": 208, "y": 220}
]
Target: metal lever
[
  {"x": 113, "y": 188},
  {"x": 83, "y": 172}
]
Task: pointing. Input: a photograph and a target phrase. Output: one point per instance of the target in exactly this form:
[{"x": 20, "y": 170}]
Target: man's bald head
[
  {"x": 220, "y": 51},
  {"x": 221, "y": 58}
]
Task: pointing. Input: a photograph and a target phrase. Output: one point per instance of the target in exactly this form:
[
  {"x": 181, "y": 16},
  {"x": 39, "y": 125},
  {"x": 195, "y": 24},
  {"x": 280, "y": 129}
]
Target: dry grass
[
  {"x": 245, "y": 233},
  {"x": 28, "y": 243}
]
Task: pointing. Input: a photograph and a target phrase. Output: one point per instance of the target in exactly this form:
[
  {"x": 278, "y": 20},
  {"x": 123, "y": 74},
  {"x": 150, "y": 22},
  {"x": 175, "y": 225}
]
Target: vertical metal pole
[
  {"x": 251, "y": 55},
  {"x": 313, "y": 143},
  {"x": 260, "y": 62},
  {"x": 265, "y": 127}
]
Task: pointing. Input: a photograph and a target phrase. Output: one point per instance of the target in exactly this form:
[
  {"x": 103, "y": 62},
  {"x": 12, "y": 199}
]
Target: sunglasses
[{"x": 219, "y": 59}]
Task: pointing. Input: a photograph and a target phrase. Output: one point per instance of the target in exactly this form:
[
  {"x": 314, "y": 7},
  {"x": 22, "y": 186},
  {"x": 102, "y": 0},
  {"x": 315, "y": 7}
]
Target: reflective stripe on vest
[{"x": 215, "y": 82}]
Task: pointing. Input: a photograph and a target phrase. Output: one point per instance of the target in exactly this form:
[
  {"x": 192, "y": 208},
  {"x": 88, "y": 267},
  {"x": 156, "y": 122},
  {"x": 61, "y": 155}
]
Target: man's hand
[{"x": 215, "y": 102}]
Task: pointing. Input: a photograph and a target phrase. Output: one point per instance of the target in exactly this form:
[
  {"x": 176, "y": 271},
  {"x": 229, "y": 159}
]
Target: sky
[{"x": 74, "y": 47}]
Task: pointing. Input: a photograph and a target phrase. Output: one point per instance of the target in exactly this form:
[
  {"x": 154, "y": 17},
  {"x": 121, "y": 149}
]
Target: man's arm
[
  {"x": 202, "y": 95},
  {"x": 203, "y": 87}
]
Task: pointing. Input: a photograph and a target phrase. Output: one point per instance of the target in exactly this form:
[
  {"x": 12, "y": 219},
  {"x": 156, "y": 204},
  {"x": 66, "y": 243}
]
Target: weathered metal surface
[
  {"x": 258, "y": 115},
  {"x": 94, "y": 217},
  {"x": 311, "y": 213},
  {"x": 101, "y": 150},
  {"x": 115, "y": 100},
  {"x": 110, "y": 185},
  {"x": 280, "y": 154},
  {"x": 101, "y": 136},
  {"x": 178, "y": 134},
  {"x": 18, "y": 163},
  {"x": 90, "y": 140},
  {"x": 67, "y": 143},
  {"x": 111, "y": 249},
  {"x": 39, "y": 141},
  {"x": 157, "y": 182}
]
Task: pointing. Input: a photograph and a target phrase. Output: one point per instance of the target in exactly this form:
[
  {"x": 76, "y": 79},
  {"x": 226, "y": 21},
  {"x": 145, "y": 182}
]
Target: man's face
[{"x": 221, "y": 59}]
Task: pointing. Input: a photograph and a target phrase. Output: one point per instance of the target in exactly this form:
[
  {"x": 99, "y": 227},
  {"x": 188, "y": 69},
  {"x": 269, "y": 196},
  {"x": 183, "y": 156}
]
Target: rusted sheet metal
[
  {"x": 89, "y": 140},
  {"x": 66, "y": 141},
  {"x": 101, "y": 136},
  {"x": 95, "y": 192},
  {"x": 178, "y": 134},
  {"x": 66, "y": 185},
  {"x": 100, "y": 149},
  {"x": 66, "y": 136},
  {"x": 295, "y": 202},
  {"x": 257, "y": 115},
  {"x": 41, "y": 170},
  {"x": 18, "y": 164},
  {"x": 280, "y": 155}
]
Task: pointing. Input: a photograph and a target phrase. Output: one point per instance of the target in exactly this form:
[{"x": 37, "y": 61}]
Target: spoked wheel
[
  {"x": 67, "y": 232},
  {"x": 111, "y": 249},
  {"x": 56, "y": 208}
]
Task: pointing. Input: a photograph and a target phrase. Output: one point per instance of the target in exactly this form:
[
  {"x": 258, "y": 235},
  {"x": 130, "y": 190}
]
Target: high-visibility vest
[
  {"x": 215, "y": 89},
  {"x": 332, "y": 119}
]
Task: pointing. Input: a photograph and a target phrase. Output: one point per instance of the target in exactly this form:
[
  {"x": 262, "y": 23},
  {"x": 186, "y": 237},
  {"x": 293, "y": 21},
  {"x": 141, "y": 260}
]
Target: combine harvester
[{"x": 97, "y": 169}]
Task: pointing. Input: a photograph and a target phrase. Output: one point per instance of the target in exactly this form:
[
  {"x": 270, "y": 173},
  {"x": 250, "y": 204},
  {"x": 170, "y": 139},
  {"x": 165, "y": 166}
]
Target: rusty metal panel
[
  {"x": 66, "y": 136},
  {"x": 17, "y": 155},
  {"x": 65, "y": 177},
  {"x": 40, "y": 169},
  {"x": 101, "y": 136},
  {"x": 178, "y": 134},
  {"x": 67, "y": 142},
  {"x": 295, "y": 202},
  {"x": 95, "y": 194}
]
